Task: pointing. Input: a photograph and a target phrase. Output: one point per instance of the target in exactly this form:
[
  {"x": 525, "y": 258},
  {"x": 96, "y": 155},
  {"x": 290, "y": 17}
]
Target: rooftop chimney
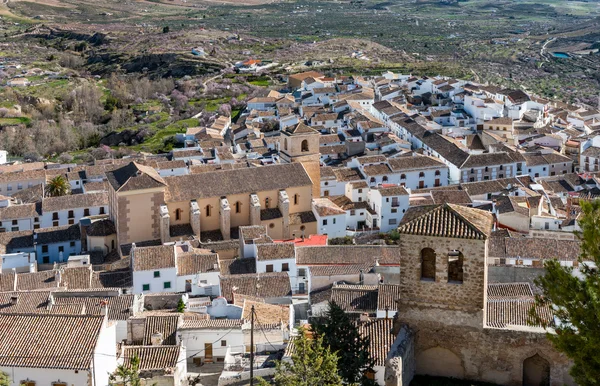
[
  {"x": 14, "y": 300},
  {"x": 156, "y": 339},
  {"x": 364, "y": 318}
]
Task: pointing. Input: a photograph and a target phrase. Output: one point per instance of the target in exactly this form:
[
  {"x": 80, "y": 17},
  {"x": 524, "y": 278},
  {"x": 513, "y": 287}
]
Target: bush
[{"x": 347, "y": 240}]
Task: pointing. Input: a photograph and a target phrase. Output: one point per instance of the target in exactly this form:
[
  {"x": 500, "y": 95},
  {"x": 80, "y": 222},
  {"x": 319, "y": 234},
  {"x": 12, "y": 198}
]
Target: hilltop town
[{"x": 424, "y": 206}]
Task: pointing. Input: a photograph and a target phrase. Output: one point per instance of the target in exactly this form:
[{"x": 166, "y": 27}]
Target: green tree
[
  {"x": 575, "y": 301},
  {"x": 312, "y": 364},
  {"x": 166, "y": 29},
  {"x": 180, "y": 306},
  {"x": 58, "y": 186},
  {"x": 4, "y": 379},
  {"x": 126, "y": 375},
  {"x": 341, "y": 335}
]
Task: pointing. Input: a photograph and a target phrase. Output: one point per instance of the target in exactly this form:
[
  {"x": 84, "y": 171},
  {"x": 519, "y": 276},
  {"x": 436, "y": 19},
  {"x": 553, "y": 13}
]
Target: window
[
  {"x": 269, "y": 268},
  {"x": 71, "y": 214},
  {"x": 472, "y": 170},
  {"x": 27, "y": 383},
  {"x": 61, "y": 249},
  {"x": 437, "y": 173},
  {"x": 167, "y": 285},
  {"x": 238, "y": 207},
  {"x": 267, "y": 202},
  {"x": 334, "y": 220},
  {"x": 36, "y": 219},
  {"x": 102, "y": 210},
  {"x": 45, "y": 260},
  {"x": 384, "y": 179},
  {"x": 55, "y": 216},
  {"x": 86, "y": 212},
  {"x": 393, "y": 221},
  {"x": 72, "y": 243},
  {"x": 421, "y": 175},
  {"x": 208, "y": 210},
  {"x": 304, "y": 146},
  {"x": 352, "y": 212},
  {"x": 296, "y": 199},
  {"x": 19, "y": 186},
  {"x": 325, "y": 222},
  {"x": 285, "y": 144},
  {"x": 428, "y": 264},
  {"x": 71, "y": 221},
  {"x": 486, "y": 168},
  {"x": 15, "y": 222},
  {"x": 326, "y": 183},
  {"x": 455, "y": 267},
  {"x": 9, "y": 188},
  {"x": 372, "y": 179},
  {"x": 359, "y": 190},
  {"x": 500, "y": 175},
  {"x": 145, "y": 287},
  {"x": 302, "y": 272},
  {"x": 394, "y": 210},
  {"x": 223, "y": 343},
  {"x": 156, "y": 273},
  {"x": 285, "y": 267},
  {"x": 326, "y": 193},
  {"x": 177, "y": 214},
  {"x": 272, "y": 225},
  {"x": 44, "y": 249},
  {"x": 402, "y": 176},
  {"x": 501, "y": 167}
]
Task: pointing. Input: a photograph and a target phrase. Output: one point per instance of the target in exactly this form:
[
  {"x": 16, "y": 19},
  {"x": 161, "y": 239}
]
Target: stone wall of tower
[
  {"x": 165, "y": 224},
  {"x": 469, "y": 295}
]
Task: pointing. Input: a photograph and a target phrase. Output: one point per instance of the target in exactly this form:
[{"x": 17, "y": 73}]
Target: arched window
[
  {"x": 421, "y": 174},
  {"x": 437, "y": 173},
  {"x": 384, "y": 179},
  {"x": 455, "y": 267},
  {"x": 402, "y": 176},
  {"x": 238, "y": 207},
  {"x": 427, "y": 264},
  {"x": 486, "y": 168},
  {"x": 501, "y": 167},
  {"x": 285, "y": 144},
  {"x": 372, "y": 179},
  {"x": 267, "y": 203},
  {"x": 296, "y": 199},
  {"x": 304, "y": 145},
  {"x": 208, "y": 210},
  {"x": 177, "y": 214},
  {"x": 536, "y": 371}
]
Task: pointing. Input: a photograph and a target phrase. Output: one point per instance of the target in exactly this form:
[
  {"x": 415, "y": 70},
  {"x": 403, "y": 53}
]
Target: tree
[
  {"x": 312, "y": 364},
  {"x": 4, "y": 379},
  {"x": 58, "y": 186},
  {"x": 575, "y": 301},
  {"x": 180, "y": 306},
  {"x": 166, "y": 29},
  {"x": 342, "y": 337},
  {"x": 126, "y": 375}
]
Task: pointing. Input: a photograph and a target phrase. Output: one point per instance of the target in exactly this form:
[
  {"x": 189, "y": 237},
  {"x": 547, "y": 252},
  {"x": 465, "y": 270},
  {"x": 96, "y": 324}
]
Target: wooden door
[{"x": 208, "y": 352}]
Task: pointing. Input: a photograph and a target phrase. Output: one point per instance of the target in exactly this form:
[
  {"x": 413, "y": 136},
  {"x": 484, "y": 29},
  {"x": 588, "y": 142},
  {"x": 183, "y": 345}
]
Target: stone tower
[{"x": 300, "y": 143}]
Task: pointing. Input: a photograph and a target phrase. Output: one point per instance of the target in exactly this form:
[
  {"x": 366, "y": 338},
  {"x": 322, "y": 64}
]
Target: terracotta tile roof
[
  {"x": 264, "y": 285},
  {"x": 252, "y": 232},
  {"x": 541, "y": 248},
  {"x": 73, "y": 201},
  {"x": 76, "y": 277},
  {"x": 348, "y": 255},
  {"x": 112, "y": 279},
  {"x": 447, "y": 220},
  {"x": 275, "y": 251},
  {"x": 499, "y": 291},
  {"x": 380, "y": 336},
  {"x": 325, "y": 207},
  {"x": 26, "y": 302},
  {"x": 387, "y": 295},
  {"x": 237, "y": 266},
  {"x": 7, "y": 281},
  {"x": 415, "y": 162},
  {"x": 119, "y": 307},
  {"x": 392, "y": 191},
  {"x": 266, "y": 314},
  {"x": 134, "y": 176},
  {"x": 69, "y": 341},
  {"x": 37, "y": 280},
  {"x": 191, "y": 263},
  {"x": 18, "y": 211},
  {"x": 151, "y": 258},
  {"x": 459, "y": 197},
  {"x": 68, "y": 309},
  {"x": 339, "y": 270},
  {"x": 101, "y": 228},
  {"x": 302, "y": 218},
  {"x": 152, "y": 357},
  {"x": 165, "y": 324},
  {"x": 509, "y": 313},
  {"x": 236, "y": 181},
  {"x": 355, "y": 298},
  {"x": 347, "y": 174},
  {"x": 270, "y": 214},
  {"x": 211, "y": 324},
  {"x": 486, "y": 159},
  {"x": 58, "y": 234}
]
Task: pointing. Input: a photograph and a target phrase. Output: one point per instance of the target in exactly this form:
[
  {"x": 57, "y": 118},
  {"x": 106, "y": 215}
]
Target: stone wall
[
  {"x": 467, "y": 295},
  {"x": 400, "y": 362},
  {"x": 520, "y": 274},
  {"x": 445, "y": 347}
]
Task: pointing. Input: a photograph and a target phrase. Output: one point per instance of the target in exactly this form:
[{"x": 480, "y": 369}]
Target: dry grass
[{"x": 50, "y": 3}]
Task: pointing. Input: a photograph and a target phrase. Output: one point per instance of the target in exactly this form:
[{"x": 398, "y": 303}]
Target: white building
[
  {"x": 390, "y": 203},
  {"x": 57, "y": 349},
  {"x": 331, "y": 219}
]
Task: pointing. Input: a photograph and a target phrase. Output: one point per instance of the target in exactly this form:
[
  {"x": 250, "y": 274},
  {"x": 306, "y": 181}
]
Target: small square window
[
  {"x": 167, "y": 285},
  {"x": 72, "y": 244},
  {"x": 325, "y": 222},
  {"x": 44, "y": 249},
  {"x": 285, "y": 267},
  {"x": 156, "y": 273},
  {"x": 223, "y": 343},
  {"x": 61, "y": 248},
  {"x": 269, "y": 267},
  {"x": 145, "y": 287}
]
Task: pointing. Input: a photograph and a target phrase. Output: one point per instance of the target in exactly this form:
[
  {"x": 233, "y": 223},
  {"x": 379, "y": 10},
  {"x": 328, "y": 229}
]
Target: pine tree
[
  {"x": 312, "y": 364},
  {"x": 342, "y": 337},
  {"x": 126, "y": 375},
  {"x": 576, "y": 301}
]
